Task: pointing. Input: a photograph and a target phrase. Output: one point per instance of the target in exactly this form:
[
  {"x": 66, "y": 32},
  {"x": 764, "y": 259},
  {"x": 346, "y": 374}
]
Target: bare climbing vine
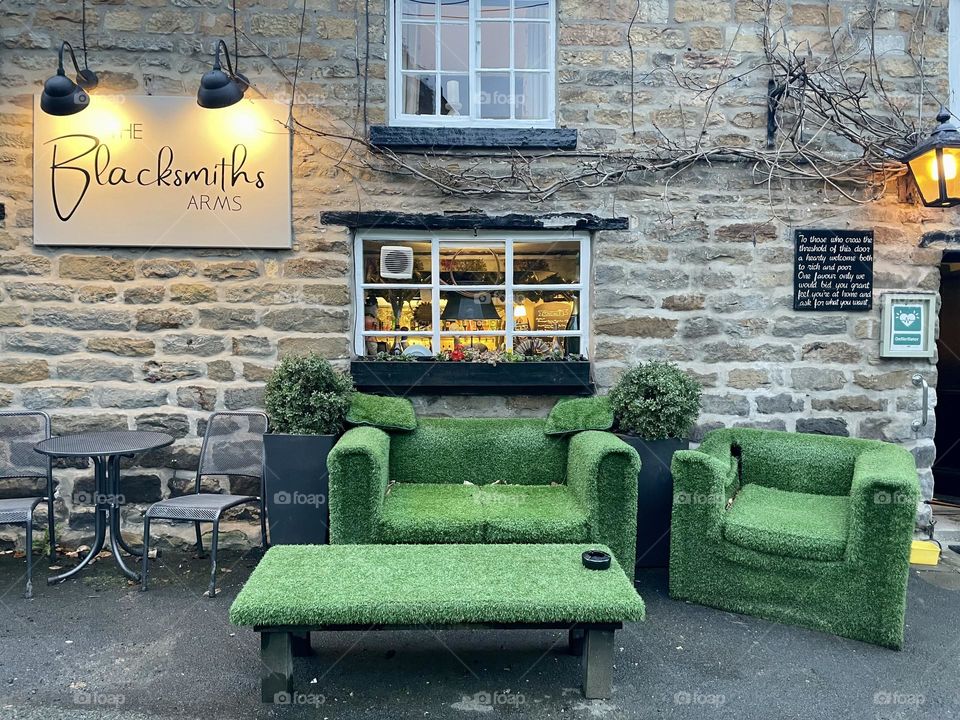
[{"x": 835, "y": 119}]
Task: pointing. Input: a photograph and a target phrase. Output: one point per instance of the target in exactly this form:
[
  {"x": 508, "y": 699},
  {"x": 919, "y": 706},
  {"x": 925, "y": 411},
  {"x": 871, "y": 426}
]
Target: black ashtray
[{"x": 596, "y": 560}]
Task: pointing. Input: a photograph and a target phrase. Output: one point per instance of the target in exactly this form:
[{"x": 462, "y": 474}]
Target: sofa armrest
[
  {"x": 883, "y": 505},
  {"x": 602, "y": 473},
  {"x": 358, "y": 467},
  {"x": 700, "y": 491}
]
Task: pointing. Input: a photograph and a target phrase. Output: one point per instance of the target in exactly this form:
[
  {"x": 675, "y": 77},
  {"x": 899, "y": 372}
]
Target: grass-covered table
[{"x": 297, "y": 589}]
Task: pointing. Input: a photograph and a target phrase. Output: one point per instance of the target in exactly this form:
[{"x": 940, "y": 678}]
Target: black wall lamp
[
  {"x": 219, "y": 89},
  {"x": 935, "y": 164},
  {"x": 63, "y": 96}
]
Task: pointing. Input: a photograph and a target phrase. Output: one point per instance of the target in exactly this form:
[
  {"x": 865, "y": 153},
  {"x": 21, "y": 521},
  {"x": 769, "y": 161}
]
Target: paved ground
[{"x": 97, "y": 648}]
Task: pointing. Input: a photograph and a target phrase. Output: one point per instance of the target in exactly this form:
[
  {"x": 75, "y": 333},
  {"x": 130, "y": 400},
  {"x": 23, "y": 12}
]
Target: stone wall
[{"x": 106, "y": 338}]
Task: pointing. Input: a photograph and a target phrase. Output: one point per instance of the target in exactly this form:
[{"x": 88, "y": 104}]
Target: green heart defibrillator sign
[
  {"x": 163, "y": 172},
  {"x": 908, "y": 325}
]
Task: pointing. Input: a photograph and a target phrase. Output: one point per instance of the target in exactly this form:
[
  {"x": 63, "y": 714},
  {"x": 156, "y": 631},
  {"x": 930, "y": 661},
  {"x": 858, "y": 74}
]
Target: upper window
[
  {"x": 473, "y": 62},
  {"x": 421, "y": 295}
]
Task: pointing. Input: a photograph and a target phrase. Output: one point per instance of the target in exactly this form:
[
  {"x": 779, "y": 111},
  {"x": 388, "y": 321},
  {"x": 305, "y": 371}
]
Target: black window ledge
[{"x": 450, "y": 138}]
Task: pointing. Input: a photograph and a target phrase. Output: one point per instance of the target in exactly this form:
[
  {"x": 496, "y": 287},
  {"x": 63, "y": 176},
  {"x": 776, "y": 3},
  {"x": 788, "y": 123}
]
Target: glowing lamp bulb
[
  {"x": 244, "y": 123},
  {"x": 949, "y": 168},
  {"x": 519, "y": 311}
]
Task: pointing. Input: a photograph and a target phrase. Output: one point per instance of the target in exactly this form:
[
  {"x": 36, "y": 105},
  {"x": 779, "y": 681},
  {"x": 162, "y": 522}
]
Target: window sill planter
[
  {"x": 295, "y": 480},
  {"x": 430, "y": 377}
]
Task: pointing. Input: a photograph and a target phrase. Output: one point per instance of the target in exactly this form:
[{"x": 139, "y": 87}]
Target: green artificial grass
[
  {"x": 481, "y": 451},
  {"x": 425, "y": 513},
  {"x": 550, "y": 489},
  {"x": 745, "y": 559},
  {"x": 386, "y": 413},
  {"x": 778, "y": 522},
  {"x": 574, "y": 415},
  {"x": 315, "y": 585}
]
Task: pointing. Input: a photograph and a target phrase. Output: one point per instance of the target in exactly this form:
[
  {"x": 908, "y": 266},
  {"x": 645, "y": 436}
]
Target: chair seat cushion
[
  {"x": 789, "y": 524},
  {"x": 446, "y": 513},
  {"x": 534, "y": 513},
  {"x": 202, "y": 506},
  {"x": 431, "y": 513}
]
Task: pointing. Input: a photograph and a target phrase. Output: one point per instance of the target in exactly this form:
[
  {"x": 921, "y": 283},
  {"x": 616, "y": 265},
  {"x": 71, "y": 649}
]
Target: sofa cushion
[
  {"x": 573, "y": 415},
  {"x": 431, "y": 513},
  {"x": 534, "y": 513},
  {"x": 791, "y": 524},
  {"x": 445, "y": 513},
  {"x": 386, "y": 413}
]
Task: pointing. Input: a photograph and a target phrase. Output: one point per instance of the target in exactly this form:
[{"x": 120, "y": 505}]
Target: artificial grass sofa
[
  {"x": 484, "y": 481},
  {"x": 804, "y": 529}
]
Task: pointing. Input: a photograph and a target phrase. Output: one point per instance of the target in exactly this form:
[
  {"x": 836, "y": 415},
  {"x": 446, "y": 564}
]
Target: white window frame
[
  {"x": 469, "y": 237},
  {"x": 401, "y": 119}
]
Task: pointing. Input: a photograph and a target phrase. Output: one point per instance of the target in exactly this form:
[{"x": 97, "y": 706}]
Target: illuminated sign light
[{"x": 163, "y": 172}]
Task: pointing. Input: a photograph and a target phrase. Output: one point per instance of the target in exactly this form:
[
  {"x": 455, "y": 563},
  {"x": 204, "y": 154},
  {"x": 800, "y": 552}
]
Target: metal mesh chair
[
  {"x": 233, "y": 446},
  {"x": 19, "y": 433}
]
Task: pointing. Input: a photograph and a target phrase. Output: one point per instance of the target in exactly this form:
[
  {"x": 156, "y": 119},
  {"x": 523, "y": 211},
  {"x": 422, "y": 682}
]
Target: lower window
[{"x": 466, "y": 295}]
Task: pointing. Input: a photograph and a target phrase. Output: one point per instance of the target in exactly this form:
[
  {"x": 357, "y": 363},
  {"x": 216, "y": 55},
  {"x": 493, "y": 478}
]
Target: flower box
[{"x": 432, "y": 377}]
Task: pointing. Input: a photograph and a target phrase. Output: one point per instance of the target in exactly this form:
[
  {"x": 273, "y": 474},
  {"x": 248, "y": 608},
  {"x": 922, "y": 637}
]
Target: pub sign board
[
  {"x": 163, "y": 172},
  {"x": 833, "y": 270}
]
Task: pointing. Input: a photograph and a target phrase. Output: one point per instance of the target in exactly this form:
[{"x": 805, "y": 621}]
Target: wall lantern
[
  {"x": 219, "y": 89},
  {"x": 935, "y": 164},
  {"x": 63, "y": 96}
]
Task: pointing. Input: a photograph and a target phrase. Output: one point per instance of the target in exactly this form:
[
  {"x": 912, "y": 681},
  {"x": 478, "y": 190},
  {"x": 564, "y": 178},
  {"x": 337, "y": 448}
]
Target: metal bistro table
[{"x": 105, "y": 449}]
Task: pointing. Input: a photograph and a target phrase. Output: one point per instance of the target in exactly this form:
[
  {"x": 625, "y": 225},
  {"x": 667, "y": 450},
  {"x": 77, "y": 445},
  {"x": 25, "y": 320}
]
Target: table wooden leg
[
  {"x": 576, "y": 636},
  {"x": 276, "y": 667},
  {"x": 300, "y": 644},
  {"x": 597, "y": 663}
]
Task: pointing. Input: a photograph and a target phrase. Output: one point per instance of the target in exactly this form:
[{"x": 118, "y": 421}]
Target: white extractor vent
[{"x": 396, "y": 262}]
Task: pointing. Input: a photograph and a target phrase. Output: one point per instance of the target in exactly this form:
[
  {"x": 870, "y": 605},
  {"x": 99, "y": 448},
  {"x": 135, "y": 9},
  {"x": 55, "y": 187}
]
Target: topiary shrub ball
[
  {"x": 306, "y": 395},
  {"x": 656, "y": 401}
]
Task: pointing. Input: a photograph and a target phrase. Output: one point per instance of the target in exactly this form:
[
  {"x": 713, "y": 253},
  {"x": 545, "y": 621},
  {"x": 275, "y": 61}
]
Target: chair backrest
[
  {"x": 19, "y": 433},
  {"x": 798, "y": 462},
  {"x": 481, "y": 451},
  {"x": 233, "y": 445}
]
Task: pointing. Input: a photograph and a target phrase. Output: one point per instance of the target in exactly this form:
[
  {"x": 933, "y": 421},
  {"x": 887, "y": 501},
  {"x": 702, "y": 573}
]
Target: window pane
[
  {"x": 463, "y": 313},
  {"x": 372, "y": 250},
  {"x": 419, "y": 47},
  {"x": 472, "y": 264},
  {"x": 530, "y": 45},
  {"x": 419, "y": 95},
  {"x": 454, "y": 9},
  {"x": 546, "y": 310},
  {"x": 531, "y": 96},
  {"x": 532, "y": 9},
  {"x": 495, "y": 9},
  {"x": 455, "y": 95},
  {"x": 495, "y": 96},
  {"x": 553, "y": 263},
  {"x": 419, "y": 9},
  {"x": 494, "y": 45},
  {"x": 412, "y": 345},
  {"x": 454, "y": 47},
  {"x": 397, "y": 310}
]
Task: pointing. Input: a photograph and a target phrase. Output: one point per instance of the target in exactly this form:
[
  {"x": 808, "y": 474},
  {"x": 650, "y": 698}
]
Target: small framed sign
[
  {"x": 833, "y": 270},
  {"x": 907, "y": 325}
]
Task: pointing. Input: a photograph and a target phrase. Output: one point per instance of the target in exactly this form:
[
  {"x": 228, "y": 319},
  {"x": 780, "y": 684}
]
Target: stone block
[
  {"x": 95, "y": 267},
  {"x": 23, "y": 371},
  {"x": 47, "y": 343},
  {"x": 121, "y": 345}
]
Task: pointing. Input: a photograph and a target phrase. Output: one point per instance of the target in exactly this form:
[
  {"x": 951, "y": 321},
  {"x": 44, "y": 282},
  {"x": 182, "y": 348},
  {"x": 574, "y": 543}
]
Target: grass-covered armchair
[
  {"x": 803, "y": 529},
  {"x": 484, "y": 481}
]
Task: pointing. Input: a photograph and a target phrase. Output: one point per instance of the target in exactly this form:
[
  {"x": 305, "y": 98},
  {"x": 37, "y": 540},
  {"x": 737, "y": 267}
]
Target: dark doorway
[{"x": 946, "y": 469}]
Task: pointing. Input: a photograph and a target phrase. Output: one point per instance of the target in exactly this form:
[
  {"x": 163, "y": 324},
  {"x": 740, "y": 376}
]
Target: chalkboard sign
[{"x": 833, "y": 270}]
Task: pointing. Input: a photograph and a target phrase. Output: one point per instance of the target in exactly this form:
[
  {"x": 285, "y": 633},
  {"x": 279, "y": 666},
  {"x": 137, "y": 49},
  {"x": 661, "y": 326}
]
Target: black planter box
[
  {"x": 295, "y": 480},
  {"x": 654, "y": 498},
  {"x": 429, "y": 377}
]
